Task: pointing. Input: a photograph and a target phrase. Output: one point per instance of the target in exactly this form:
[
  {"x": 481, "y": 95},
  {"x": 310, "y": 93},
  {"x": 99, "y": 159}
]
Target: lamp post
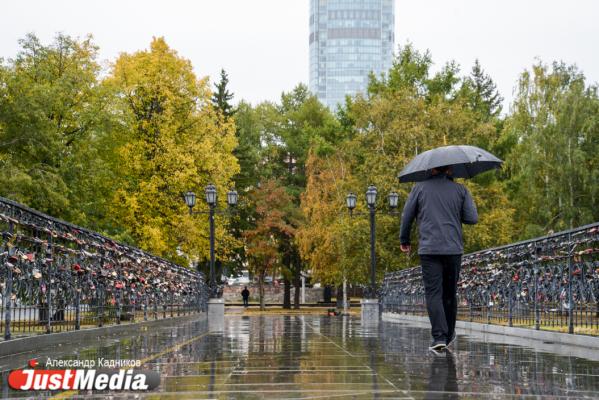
[
  {"x": 393, "y": 200},
  {"x": 371, "y": 193},
  {"x": 371, "y": 197},
  {"x": 211, "y": 200},
  {"x": 351, "y": 202}
]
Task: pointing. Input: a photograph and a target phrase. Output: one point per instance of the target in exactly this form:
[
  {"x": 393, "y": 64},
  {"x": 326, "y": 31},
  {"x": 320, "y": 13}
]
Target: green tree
[
  {"x": 553, "y": 166},
  {"x": 410, "y": 73},
  {"x": 221, "y": 98},
  {"x": 480, "y": 92},
  {"x": 407, "y": 112},
  {"x": 251, "y": 123},
  {"x": 55, "y": 121},
  {"x": 410, "y": 70},
  {"x": 274, "y": 142},
  {"x": 304, "y": 124}
]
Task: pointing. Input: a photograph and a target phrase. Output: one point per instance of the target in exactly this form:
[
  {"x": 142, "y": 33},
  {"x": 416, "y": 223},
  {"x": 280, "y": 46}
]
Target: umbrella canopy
[{"x": 466, "y": 162}]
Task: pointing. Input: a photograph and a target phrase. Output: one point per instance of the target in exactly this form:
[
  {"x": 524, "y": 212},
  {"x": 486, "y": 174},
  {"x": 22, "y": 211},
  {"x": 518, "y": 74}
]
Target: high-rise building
[{"x": 348, "y": 40}]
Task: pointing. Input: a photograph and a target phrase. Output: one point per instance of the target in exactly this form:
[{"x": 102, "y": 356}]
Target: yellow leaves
[
  {"x": 175, "y": 142},
  {"x": 321, "y": 239},
  {"x": 389, "y": 130},
  {"x": 152, "y": 239},
  {"x": 496, "y": 217}
]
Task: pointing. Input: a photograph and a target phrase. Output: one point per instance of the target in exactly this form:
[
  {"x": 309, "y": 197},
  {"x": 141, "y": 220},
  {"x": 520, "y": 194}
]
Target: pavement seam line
[{"x": 330, "y": 341}]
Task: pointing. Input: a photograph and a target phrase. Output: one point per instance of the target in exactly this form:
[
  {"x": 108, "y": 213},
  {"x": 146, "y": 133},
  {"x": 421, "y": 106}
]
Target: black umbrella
[{"x": 466, "y": 162}]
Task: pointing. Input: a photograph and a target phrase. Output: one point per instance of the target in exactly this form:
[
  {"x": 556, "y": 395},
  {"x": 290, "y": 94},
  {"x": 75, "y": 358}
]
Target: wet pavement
[{"x": 321, "y": 357}]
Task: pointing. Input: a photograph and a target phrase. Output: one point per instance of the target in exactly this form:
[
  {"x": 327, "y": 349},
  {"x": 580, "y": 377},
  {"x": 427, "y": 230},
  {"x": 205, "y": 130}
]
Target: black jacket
[{"x": 440, "y": 206}]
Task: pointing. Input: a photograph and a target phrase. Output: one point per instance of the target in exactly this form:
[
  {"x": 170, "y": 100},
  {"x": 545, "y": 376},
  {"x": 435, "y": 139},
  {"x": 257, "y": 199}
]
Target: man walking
[
  {"x": 440, "y": 206},
  {"x": 245, "y": 293}
]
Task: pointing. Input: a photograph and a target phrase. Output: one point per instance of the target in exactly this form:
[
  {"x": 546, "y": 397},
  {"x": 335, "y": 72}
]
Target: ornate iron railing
[
  {"x": 55, "y": 276},
  {"x": 550, "y": 282}
]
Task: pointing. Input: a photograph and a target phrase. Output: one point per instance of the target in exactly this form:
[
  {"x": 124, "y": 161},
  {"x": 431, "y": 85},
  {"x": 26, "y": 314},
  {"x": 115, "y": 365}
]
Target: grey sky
[{"x": 263, "y": 44}]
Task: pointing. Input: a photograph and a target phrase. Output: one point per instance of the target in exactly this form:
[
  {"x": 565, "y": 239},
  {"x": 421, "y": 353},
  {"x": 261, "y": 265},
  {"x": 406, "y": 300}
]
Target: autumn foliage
[
  {"x": 272, "y": 229},
  {"x": 114, "y": 148}
]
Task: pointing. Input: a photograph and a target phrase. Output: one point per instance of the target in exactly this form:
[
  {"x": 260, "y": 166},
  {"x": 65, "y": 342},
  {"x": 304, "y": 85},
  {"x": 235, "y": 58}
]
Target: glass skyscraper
[{"x": 348, "y": 40}]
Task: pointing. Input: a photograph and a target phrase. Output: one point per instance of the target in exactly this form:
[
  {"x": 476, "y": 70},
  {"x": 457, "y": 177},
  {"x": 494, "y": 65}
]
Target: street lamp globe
[
  {"x": 211, "y": 195},
  {"x": 393, "y": 200},
  {"x": 190, "y": 199},
  {"x": 351, "y": 201},
  {"x": 371, "y": 196},
  {"x": 232, "y": 197}
]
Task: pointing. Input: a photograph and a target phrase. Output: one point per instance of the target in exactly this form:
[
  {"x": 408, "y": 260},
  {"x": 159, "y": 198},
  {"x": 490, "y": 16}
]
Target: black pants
[
  {"x": 245, "y": 301},
  {"x": 440, "y": 274}
]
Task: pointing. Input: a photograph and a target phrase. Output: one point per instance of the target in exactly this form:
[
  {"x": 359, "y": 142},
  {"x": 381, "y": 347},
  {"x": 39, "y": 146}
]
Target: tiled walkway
[{"x": 321, "y": 357}]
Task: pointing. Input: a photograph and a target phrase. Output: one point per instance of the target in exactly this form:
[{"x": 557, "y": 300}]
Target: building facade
[{"x": 348, "y": 40}]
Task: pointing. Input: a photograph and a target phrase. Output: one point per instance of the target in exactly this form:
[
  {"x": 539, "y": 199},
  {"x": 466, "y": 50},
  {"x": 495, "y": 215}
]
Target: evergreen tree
[
  {"x": 251, "y": 123},
  {"x": 481, "y": 93},
  {"x": 221, "y": 96}
]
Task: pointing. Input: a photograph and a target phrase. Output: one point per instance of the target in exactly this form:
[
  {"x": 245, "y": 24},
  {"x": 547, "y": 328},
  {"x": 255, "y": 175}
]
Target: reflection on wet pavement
[{"x": 310, "y": 356}]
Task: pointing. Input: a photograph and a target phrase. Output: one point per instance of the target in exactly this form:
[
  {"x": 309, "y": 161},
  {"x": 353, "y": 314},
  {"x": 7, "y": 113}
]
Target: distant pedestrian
[
  {"x": 440, "y": 206},
  {"x": 245, "y": 293}
]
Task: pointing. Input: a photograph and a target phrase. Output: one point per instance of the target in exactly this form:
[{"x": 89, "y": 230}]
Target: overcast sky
[{"x": 263, "y": 44}]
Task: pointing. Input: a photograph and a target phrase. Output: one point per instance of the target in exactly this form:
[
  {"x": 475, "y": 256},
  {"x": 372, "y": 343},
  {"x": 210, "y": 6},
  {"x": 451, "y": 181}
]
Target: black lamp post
[
  {"x": 371, "y": 194},
  {"x": 211, "y": 200}
]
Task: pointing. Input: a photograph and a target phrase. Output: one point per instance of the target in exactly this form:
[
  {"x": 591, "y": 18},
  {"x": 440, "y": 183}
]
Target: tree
[
  {"x": 221, "y": 97},
  {"x": 553, "y": 167},
  {"x": 274, "y": 141},
  {"x": 176, "y": 142},
  {"x": 481, "y": 93},
  {"x": 332, "y": 244},
  {"x": 253, "y": 126},
  {"x": 410, "y": 70},
  {"x": 304, "y": 124},
  {"x": 408, "y": 112},
  {"x": 271, "y": 231},
  {"x": 55, "y": 118},
  {"x": 410, "y": 73}
]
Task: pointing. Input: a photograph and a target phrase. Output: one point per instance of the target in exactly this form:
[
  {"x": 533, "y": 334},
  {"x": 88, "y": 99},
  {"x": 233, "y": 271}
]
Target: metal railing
[
  {"x": 56, "y": 276},
  {"x": 551, "y": 282}
]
